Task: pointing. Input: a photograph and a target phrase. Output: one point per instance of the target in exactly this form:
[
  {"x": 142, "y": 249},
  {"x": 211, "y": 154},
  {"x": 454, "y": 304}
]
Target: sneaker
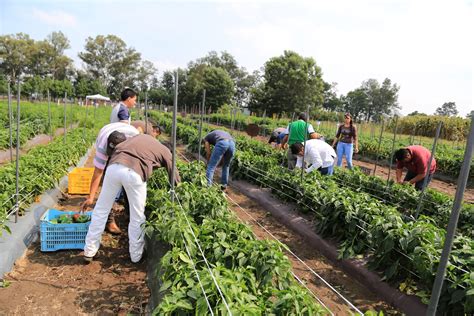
[
  {"x": 88, "y": 259},
  {"x": 224, "y": 188}
]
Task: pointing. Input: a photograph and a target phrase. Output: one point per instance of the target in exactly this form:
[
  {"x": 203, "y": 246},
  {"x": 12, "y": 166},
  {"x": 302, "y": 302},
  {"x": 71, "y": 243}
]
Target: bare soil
[{"x": 59, "y": 283}]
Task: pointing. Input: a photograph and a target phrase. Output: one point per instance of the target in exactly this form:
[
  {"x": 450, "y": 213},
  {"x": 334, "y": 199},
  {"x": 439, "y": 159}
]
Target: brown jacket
[{"x": 143, "y": 153}]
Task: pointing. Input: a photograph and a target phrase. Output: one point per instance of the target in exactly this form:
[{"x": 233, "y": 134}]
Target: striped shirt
[{"x": 101, "y": 157}]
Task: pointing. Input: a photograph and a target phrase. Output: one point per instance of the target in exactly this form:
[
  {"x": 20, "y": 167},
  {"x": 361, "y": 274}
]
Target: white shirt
[{"x": 317, "y": 153}]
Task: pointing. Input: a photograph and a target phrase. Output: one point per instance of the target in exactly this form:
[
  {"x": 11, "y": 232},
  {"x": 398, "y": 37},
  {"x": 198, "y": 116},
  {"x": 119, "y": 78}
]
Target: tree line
[{"x": 285, "y": 84}]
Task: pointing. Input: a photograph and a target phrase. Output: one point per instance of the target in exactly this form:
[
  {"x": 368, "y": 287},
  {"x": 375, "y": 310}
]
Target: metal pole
[
  {"x": 93, "y": 121},
  {"x": 10, "y": 118},
  {"x": 393, "y": 148},
  {"x": 453, "y": 222},
  {"x": 85, "y": 122},
  {"x": 263, "y": 122},
  {"x": 146, "y": 111},
  {"x": 200, "y": 124},
  {"x": 65, "y": 127},
  {"x": 203, "y": 104},
  {"x": 17, "y": 206},
  {"x": 425, "y": 180},
  {"x": 173, "y": 134},
  {"x": 304, "y": 143},
  {"x": 72, "y": 115},
  {"x": 378, "y": 147},
  {"x": 49, "y": 117}
]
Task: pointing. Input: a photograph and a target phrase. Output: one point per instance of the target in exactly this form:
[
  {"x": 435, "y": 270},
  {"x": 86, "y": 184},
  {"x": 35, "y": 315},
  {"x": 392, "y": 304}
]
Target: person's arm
[
  {"x": 123, "y": 115},
  {"x": 399, "y": 175},
  {"x": 207, "y": 146},
  {"x": 284, "y": 141},
  {"x": 356, "y": 140},
  {"x": 316, "y": 160},
  {"x": 418, "y": 177},
  {"x": 338, "y": 134},
  {"x": 93, "y": 188},
  {"x": 299, "y": 162}
]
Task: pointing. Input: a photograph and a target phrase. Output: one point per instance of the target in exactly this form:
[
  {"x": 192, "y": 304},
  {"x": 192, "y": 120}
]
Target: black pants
[{"x": 419, "y": 185}]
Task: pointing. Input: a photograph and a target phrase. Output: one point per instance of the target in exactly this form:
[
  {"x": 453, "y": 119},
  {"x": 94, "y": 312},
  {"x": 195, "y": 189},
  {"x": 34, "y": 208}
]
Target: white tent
[{"x": 97, "y": 97}]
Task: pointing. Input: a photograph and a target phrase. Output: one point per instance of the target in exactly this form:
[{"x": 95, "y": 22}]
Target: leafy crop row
[
  {"x": 254, "y": 275},
  {"x": 406, "y": 251},
  {"x": 34, "y": 120}
]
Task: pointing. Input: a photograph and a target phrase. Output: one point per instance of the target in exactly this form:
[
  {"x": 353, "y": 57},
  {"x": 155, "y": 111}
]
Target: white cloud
[{"x": 55, "y": 17}]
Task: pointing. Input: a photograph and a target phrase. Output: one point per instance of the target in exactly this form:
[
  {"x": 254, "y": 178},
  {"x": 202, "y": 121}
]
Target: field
[{"x": 203, "y": 256}]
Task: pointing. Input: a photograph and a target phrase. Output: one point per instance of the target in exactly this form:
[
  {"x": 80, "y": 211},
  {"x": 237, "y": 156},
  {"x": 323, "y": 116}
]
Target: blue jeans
[
  {"x": 328, "y": 171},
  {"x": 418, "y": 185},
  {"x": 347, "y": 150},
  {"x": 224, "y": 148}
]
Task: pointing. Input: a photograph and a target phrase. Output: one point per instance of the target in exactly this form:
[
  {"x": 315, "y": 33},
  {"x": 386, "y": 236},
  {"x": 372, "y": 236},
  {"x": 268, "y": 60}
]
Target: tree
[
  {"x": 219, "y": 87},
  {"x": 383, "y": 99},
  {"x": 356, "y": 102},
  {"x": 447, "y": 109},
  {"x": 416, "y": 113},
  {"x": 331, "y": 101},
  {"x": 470, "y": 114},
  {"x": 84, "y": 85},
  {"x": 167, "y": 83},
  {"x": 15, "y": 55},
  {"x": 291, "y": 83},
  {"x": 243, "y": 81},
  {"x": 145, "y": 74},
  {"x": 108, "y": 59}
]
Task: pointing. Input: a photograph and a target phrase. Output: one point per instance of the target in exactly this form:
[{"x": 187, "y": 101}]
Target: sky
[{"x": 424, "y": 46}]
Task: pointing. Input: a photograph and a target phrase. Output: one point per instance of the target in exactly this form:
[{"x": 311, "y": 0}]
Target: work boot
[{"x": 112, "y": 227}]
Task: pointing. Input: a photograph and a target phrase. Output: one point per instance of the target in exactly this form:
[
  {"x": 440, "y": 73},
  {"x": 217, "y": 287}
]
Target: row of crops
[
  {"x": 35, "y": 119},
  {"x": 357, "y": 215},
  {"x": 449, "y": 159},
  {"x": 42, "y": 167},
  {"x": 214, "y": 261}
]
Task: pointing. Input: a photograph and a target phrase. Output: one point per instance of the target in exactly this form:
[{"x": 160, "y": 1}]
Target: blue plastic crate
[{"x": 62, "y": 236}]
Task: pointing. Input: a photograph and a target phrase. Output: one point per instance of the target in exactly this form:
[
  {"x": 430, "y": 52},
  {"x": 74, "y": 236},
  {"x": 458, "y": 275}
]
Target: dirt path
[
  {"x": 260, "y": 220},
  {"x": 447, "y": 187},
  {"x": 38, "y": 140},
  {"x": 59, "y": 283}
]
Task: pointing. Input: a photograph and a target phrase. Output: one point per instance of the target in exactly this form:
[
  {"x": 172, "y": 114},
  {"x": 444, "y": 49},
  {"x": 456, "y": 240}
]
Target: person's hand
[
  {"x": 356, "y": 150},
  {"x": 86, "y": 204}
]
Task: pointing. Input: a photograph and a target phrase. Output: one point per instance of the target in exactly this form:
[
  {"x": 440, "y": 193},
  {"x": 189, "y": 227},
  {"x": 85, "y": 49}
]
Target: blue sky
[{"x": 426, "y": 47}]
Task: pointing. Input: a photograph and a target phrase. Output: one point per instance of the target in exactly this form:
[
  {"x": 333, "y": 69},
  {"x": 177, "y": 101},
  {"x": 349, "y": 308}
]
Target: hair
[
  {"x": 303, "y": 116},
  {"x": 401, "y": 154},
  {"x": 296, "y": 148},
  {"x": 113, "y": 140},
  {"x": 127, "y": 93},
  {"x": 350, "y": 123},
  {"x": 272, "y": 139}
]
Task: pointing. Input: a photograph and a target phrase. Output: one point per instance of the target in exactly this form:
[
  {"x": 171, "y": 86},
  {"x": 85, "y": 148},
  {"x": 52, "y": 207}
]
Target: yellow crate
[{"x": 80, "y": 180}]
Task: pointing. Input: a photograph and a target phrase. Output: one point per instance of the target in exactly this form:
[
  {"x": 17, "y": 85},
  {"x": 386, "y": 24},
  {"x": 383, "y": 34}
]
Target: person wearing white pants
[
  {"x": 116, "y": 177},
  {"x": 130, "y": 165}
]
